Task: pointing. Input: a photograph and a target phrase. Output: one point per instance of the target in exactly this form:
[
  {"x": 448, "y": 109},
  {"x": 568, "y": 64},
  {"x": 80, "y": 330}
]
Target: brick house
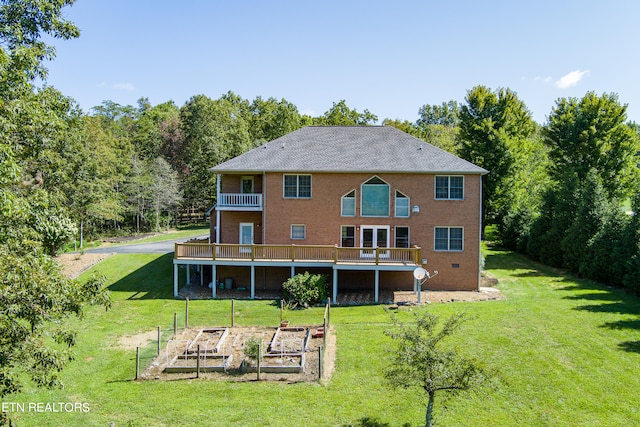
[{"x": 365, "y": 205}]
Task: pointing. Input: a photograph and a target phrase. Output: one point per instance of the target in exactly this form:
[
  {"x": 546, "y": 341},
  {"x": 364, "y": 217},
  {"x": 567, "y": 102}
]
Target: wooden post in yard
[
  {"x": 137, "y": 362},
  {"x": 259, "y": 354},
  {"x": 175, "y": 324},
  {"x": 198, "y": 362},
  {"x": 186, "y": 313}
]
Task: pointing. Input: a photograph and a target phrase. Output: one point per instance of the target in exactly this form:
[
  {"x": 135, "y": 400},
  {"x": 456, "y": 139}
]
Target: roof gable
[{"x": 347, "y": 149}]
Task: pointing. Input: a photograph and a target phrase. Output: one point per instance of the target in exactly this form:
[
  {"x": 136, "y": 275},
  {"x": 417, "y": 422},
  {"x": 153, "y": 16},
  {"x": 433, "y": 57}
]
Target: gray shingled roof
[{"x": 348, "y": 149}]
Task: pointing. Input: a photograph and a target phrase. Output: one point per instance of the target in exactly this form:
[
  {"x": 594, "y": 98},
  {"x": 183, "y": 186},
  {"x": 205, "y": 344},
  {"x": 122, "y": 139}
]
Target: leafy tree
[
  {"x": 446, "y": 114},
  {"x": 164, "y": 188},
  {"x": 403, "y": 125},
  {"x": 592, "y": 133},
  {"x": 271, "y": 119},
  {"x": 421, "y": 363},
  {"x": 214, "y": 131},
  {"x": 152, "y": 129},
  {"x": 491, "y": 123},
  {"x": 36, "y": 300},
  {"x": 341, "y": 115}
]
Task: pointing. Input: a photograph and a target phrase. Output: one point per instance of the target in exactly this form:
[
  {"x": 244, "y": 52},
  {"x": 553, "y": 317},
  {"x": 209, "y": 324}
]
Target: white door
[
  {"x": 246, "y": 236},
  {"x": 374, "y": 236}
]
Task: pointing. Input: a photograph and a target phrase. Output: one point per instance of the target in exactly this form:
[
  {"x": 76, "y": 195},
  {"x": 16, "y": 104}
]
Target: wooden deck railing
[{"x": 300, "y": 253}]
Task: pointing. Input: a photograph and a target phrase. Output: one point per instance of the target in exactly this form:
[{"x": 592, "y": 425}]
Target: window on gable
[
  {"x": 349, "y": 204},
  {"x": 449, "y": 188},
  {"x": 448, "y": 239},
  {"x": 297, "y": 186},
  {"x": 402, "y": 205},
  {"x": 298, "y": 232},
  {"x": 375, "y": 198}
]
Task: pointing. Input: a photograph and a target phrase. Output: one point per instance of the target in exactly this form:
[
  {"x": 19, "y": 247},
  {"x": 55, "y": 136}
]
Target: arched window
[{"x": 374, "y": 198}]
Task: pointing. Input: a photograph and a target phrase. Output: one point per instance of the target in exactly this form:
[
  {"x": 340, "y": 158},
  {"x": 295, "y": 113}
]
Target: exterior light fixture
[{"x": 415, "y": 209}]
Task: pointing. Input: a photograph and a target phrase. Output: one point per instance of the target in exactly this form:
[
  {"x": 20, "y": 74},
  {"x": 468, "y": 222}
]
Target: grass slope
[{"x": 565, "y": 352}]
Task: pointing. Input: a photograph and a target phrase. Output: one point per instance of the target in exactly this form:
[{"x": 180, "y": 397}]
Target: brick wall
[{"x": 322, "y": 217}]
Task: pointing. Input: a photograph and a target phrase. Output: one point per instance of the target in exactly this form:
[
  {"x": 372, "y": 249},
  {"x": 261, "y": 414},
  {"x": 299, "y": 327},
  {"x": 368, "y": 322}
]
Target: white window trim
[
  {"x": 395, "y": 205},
  {"x": 448, "y": 239},
  {"x": 297, "y": 196},
  {"x": 355, "y": 197},
  {"x": 435, "y": 187},
  {"x": 304, "y": 232}
]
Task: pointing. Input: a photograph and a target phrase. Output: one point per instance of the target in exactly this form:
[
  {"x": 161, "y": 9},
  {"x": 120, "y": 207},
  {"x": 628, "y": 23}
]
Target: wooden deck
[{"x": 296, "y": 254}]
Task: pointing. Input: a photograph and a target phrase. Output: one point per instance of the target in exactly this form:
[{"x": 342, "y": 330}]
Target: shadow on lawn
[
  {"x": 603, "y": 298},
  {"x": 151, "y": 281},
  {"x": 371, "y": 422}
]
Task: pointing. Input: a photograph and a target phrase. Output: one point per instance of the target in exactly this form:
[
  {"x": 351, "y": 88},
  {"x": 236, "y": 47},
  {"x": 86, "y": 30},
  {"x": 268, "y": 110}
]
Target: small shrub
[
  {"x": 305, "y": 289},
  {"x": 252, "y": 348}
]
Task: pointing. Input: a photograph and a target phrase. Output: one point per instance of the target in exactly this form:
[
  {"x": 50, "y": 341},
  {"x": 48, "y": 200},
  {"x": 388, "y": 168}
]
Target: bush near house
[{"x": 305, "y": 289}]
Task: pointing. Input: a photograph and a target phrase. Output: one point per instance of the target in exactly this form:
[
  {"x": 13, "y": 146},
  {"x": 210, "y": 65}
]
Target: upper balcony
[{"x": 239, "y": 202}]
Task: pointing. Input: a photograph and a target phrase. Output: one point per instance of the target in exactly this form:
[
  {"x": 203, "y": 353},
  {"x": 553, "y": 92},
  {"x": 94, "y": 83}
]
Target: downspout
[
  {"x": 480, "y": 236},
  {"x": 218, "y": 179},
  {"x": 264, "y": 207}
]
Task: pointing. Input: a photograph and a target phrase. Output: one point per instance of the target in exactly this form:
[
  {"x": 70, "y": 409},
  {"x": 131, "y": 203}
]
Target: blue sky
[{"x": 388, "y": 57}]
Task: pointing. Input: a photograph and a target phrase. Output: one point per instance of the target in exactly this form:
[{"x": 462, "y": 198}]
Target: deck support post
[
  {"x": 214, "y": 282},
  {"x": 376, "y": 291},
  {"x": 175, "y": 280},
  {"x": 293, "y": 270},
  {"x": 335, "y": 285},
  {"x": 201, "y": 270},
  {"x": 253, "y": 281},
  {"x": 188, "y": 274}
]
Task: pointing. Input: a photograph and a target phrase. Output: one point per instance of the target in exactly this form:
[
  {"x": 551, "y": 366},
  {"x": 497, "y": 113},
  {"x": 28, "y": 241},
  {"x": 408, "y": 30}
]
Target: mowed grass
[{"x": 562, "y": 352}]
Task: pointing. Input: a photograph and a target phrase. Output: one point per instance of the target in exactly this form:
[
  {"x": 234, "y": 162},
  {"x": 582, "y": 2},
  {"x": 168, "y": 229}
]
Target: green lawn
[{"x": 564, "y": 352}]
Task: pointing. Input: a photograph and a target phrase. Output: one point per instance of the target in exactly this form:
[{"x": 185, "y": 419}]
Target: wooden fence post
[
  {"x": 137, "y": 362},
  {"x": 198, "y": 362}
]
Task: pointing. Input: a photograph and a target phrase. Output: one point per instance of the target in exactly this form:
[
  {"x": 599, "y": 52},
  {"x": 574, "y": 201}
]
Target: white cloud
[
  {"x": 124, "y": 86},
  {"x": 571, "y": 79},
  {"x": 543, "y": 79}
]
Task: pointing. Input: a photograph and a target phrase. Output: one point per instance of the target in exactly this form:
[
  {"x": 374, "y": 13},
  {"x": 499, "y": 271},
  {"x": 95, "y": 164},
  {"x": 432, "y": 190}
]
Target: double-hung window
[
  {"x": 297, "y": 186},
  {"x": 348, "y": 236},
  {"x": 298, "y": 231},
  {"x": 448, "y": 239},
  {"x": 449, "y": 188}
]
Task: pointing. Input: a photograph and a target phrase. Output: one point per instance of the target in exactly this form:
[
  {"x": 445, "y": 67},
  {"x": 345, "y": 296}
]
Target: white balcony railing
[{"x": 228, "y": 200}]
